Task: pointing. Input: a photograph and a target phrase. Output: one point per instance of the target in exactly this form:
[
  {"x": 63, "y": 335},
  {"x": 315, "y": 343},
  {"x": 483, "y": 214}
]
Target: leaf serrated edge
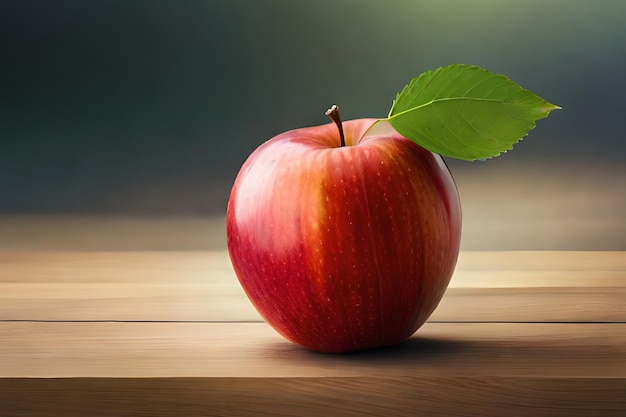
[{"x": 543, "y": 112}]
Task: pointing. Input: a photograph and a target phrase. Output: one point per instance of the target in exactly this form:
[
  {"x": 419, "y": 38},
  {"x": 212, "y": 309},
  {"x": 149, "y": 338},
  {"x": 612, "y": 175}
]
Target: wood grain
[
  {"x": 144, "y": 302},
  {"x": 245, "y": 369},
  {"x": 201, "y": 286},
  {"x": 233, "y": 350},
  {"x": 171, "y": 333},
  {"x": 314, "y": 397}
]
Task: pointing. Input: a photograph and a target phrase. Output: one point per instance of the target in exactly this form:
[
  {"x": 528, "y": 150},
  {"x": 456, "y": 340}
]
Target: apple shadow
[
  {"x": 414, "y": 350},
  {"x": 411, "y": 349},
  {"x": 531, "y": 356}
]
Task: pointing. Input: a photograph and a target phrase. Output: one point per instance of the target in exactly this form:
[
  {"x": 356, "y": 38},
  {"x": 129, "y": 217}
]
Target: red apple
[{"x": 343, "y": 248}]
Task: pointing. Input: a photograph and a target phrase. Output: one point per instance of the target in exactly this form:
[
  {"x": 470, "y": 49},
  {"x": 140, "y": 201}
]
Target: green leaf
[{"x": 466, "y": 112}]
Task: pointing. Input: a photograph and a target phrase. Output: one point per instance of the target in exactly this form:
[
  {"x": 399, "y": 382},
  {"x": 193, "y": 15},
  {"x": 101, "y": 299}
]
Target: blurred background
[{"x": 123, "y": 123}]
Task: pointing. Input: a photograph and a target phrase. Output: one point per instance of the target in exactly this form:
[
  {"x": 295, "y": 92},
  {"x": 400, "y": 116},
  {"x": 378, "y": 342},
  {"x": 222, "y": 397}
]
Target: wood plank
[
  {"x": 542, "y": 260},
  {"x": 114, "y": 267},
  {"x": 75, "y": 266},
  {"x": 143, "y": 302},
  {"x": 314, "y": 397},
  {"x": 254, "y": 350},
  {"x": 210, "y": 368},
  {"x": 546, "y": 305},
  {"x": 201, "y": 286}
]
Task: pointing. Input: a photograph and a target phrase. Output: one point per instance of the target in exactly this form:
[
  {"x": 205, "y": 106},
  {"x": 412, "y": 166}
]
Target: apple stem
[{"x": 333, "y": 114}]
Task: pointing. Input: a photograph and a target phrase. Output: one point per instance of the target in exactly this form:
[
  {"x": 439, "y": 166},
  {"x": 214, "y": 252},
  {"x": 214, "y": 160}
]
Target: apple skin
[{"x": 344, "y": 248}]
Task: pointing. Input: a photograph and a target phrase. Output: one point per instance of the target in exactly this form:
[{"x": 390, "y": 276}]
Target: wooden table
[{"x": 171, "y": 333}]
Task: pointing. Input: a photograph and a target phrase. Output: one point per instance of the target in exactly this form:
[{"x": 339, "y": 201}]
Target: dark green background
[{"x": 150, "y": 107}]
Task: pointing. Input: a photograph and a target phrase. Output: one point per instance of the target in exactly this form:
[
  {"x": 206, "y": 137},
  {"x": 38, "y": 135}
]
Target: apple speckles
[{"x": 323, "y": 250}]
